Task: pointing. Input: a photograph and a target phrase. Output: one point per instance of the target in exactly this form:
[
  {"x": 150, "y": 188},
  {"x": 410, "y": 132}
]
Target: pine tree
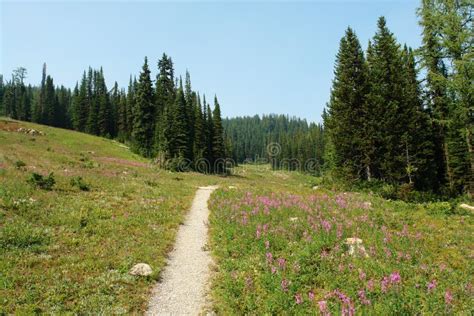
[
  {"x": 165, "y": 98},
  {"x": 144, "y": 121},
  {"x": 104, "y": 114},
  {"x": 80, "y": 107},
  {"x": 180, "y": 126},
  {"x": 93, "y": 104},
  {"x": 384, "y": 102},
  {"x": 347, "y": 110},
  {"x": 199, "y": 130},
  {"x": 218, "y": 144}
]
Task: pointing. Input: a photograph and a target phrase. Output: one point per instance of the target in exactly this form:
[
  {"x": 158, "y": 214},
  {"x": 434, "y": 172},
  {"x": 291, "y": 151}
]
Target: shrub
[
  {"x": 39, "y": 181},
  {"x": 79, "y": 183},
  {"x": 19, "y": 164},
  {"x": 439, "y": 208}
]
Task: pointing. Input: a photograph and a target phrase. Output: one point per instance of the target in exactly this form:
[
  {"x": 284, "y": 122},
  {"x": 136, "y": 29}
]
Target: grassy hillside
[{"x": 70, "y": 250}]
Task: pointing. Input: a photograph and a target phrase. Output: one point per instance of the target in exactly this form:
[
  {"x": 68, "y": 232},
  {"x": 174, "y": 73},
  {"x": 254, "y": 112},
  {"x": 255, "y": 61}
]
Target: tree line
[
  {"x": 287, "y": 143},
  {"x": 167, "y": 120},
  {"x": 383, "y": 123}
]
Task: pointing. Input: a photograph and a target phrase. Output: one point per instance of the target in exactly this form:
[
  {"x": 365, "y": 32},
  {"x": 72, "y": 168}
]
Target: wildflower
[
  {"x": 363, "y": 298},
  {"x": 370, "y": 285},
  {"x": 274, "y": 269},
  {"x": 432, "y": 285},
  {"x": 284, "y": 285},
  {"x": 269, "y": 257},
  {"x": 267, "y": 244},
  {"x": 448, "y": 297},
  {"x": 384, "y": 284},
  {"x": 362, "y": 275},
  {"x": 281, "y": 263},
  {"x": 326, "y": 225},
  {"x": 323, "y": 307},
  {"x": 311, "y": 295},
  {"x": 298, "y": 298},
  {"x": 395, "y": 278}
]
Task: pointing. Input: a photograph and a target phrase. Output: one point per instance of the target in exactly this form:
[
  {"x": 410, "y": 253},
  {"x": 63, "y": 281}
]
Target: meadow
[
  {"x": 278, "y": 241},
  {"x": 281, "y": 249}
]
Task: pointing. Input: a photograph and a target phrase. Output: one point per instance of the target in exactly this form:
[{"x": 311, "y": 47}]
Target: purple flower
[
  {"x": 267, "y": 244},
  {"x": 269, "y": 257},
  {"x": 298, "y": 298},
  {"x": 363, "y": 298},
  {"x": 448, "y": 297},
  {"x": 281, "y": 263},
  {"x": 384, "y": 284},
  {"x": 395, "y": 278},
  {"x": 432, "y": 285},
  {"x": 284, "y": 285},
  {"x": 323, "y": 307},
  {"x": 311, "y": 295}
]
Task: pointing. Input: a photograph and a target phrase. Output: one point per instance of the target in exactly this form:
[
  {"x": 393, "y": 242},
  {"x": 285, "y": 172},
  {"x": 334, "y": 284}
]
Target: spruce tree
[
  {"x": 199, "y": 130},
  {"x": 384, "y": 103},
  {"x": 143, "y": 124},
  {"x": 346, "y": 121},
  {"x": 218, "y": 144}
]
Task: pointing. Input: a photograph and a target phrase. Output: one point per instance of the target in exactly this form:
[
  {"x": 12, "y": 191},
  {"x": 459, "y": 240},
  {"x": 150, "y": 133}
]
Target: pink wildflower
[
  {"x": 432, "y": 285},
  {"x": 323, "y": 307},
  {"x": 267, "y": 244},
  {"x": 298, "y": 298},
  {"x": 311, "y": 295},
  {"x": 370, "y": 285},
  {"x": 448, "y": 297},
  {"x": 384, "y": 284},
  {"x": 284, "y": 285},
  {"x": 269, "y": 257},
  {"x": 363, "y": 298},
  {"x": 395, "y": 278},
  {"x": 281, "y": 263}
]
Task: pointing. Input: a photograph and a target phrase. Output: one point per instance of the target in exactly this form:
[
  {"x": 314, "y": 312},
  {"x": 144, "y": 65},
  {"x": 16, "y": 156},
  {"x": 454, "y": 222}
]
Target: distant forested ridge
[
  {"x": 166, "y": 120},
  {"x": 287, "y": 142},
  {"x": 385, "y": 123}
]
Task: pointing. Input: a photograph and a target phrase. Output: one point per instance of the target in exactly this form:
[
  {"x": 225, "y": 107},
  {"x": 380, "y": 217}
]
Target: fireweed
[{"x": 291, "y": 244}]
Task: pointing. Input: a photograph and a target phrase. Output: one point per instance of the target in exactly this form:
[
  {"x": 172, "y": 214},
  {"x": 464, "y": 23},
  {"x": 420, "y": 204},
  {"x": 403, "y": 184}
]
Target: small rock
[
  {"x": 232, "y": 187},
  {"x": 293, "y": 219},
  {"x": 467, "y": 207},
  {"x": 316, "y": 187},
  {"x": 141, "y": 269},
  {"x": 356, "y": 247}
]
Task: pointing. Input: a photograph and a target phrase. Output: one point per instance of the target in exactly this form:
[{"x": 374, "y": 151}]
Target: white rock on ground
[
  {"x": 141, "y": 269},
  {"x": 467, "y": 207},
  {"x": 183, "y": 288},
  {"x": 356, "y": 247}
]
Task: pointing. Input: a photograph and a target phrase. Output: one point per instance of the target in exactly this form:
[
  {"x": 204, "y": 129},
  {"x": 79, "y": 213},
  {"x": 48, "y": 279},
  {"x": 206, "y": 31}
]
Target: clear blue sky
[{"x": 258, "y": 57}]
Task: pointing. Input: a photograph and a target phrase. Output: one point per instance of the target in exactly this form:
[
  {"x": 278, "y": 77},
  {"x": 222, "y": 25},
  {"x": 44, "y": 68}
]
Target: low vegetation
[
  {"x": 282, "y": 248},
  {"x": 76, "y": 213}
]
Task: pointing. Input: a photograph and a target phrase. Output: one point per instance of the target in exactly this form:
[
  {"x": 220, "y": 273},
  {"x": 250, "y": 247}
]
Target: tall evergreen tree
[
  {"x": 143, "y": 124},
  {"x": 218, "y": 144},
  {"x": 347, "y": 108}
]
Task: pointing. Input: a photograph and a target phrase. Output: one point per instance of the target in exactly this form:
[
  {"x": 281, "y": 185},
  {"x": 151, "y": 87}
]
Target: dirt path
[{"x": 183, "y": 286}]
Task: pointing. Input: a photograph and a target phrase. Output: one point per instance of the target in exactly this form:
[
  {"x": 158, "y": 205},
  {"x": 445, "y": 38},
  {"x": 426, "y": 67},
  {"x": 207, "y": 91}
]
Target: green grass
[
  {"x": 69, "y": 250},
  {"x": 280, "y": 249}
]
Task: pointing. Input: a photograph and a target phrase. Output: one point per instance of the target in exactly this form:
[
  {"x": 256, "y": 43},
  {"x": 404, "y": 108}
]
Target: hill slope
[{"x": 70, "y": 250}]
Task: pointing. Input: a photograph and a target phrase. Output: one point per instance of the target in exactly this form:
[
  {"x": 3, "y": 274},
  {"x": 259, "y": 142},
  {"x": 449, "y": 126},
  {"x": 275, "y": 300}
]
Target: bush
[
  {"x": 79, "y": 183},
  {"x": 39, "y": 181},
  {"x": 19, "y": 164},
  {"x": 439, "y": 208}
]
